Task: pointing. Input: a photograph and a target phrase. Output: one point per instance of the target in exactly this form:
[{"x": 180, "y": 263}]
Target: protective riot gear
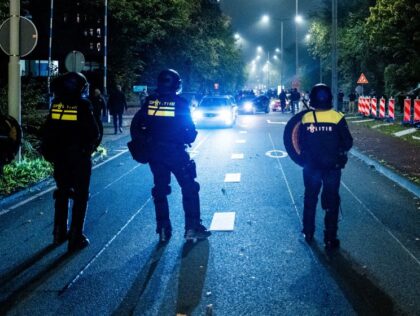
[
  {"x": 164, "y": 123},
  {"x": 321, "y": 97},
  {"x": 169, "y": 82},
  {"x": 71, "y": 84}
]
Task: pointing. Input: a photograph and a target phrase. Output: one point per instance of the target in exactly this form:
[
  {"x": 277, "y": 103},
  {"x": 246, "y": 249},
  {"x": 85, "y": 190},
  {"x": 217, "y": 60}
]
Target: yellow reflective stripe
[
  {"x": 162, "y": 107},
  {"x": 64, "y": 117},
  {"x": 64, "y": 111},
  {"x": 329, "y": 116},
  {"x": 153, "y": 107},
  {"x": 161, "y": 113}
]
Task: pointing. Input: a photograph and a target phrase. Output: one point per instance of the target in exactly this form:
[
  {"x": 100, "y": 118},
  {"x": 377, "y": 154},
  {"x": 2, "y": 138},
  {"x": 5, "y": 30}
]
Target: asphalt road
[{"x": 263, "y": 267}]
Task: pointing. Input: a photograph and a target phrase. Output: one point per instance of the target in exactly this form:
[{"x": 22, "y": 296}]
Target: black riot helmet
[
  {"x": 321, "y": 97},
  {"x": 70, "y": 85},
  {"x": 169, "y": 82}
]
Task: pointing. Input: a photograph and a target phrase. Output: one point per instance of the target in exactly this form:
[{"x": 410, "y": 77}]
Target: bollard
[
  {"x": 373, "y": 108},
  {"x": 382, "y": 108},
  {"x": 417, "y": 110},
  {"x": 391, "y": 109},
  {"x": 407, "y": 111}
]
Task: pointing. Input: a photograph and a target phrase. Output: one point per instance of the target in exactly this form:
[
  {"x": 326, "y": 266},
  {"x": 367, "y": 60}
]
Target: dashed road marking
[
  {"x": 240, "y": 141},
  {"x": 223, "y": 221},
  {"x": 276, "y": 122},
  {"x": 237, "y": 156},
  {"x": 232, "y": 177},
  {"x": 243, "y": 132}
]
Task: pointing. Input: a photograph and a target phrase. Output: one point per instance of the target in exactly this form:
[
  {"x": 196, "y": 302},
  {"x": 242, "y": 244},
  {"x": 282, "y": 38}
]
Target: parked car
[
  {"x": 251, "y": 104},
  {"x": 216, "y": 110}
]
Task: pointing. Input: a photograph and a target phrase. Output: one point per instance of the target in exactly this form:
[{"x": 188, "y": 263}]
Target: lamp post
[
  {"x": 334, "y": 53},
  {"x": 298, "y": 19}
]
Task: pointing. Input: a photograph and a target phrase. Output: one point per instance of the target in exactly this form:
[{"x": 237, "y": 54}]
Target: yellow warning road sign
[{"x": 362, "y": 79}]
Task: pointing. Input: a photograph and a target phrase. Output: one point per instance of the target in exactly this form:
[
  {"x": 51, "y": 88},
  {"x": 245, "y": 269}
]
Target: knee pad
[
  {"x": 190, "y": 169},
  {"x": 159, "y": 192},
  {"x": 191, "y": 189}
]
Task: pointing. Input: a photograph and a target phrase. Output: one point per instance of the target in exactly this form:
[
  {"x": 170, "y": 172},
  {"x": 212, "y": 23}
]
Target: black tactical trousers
[
  {"x": 72, "y": 177},
  {"x": 330, "y": 199},
  {"x": 178, "y": 162}
]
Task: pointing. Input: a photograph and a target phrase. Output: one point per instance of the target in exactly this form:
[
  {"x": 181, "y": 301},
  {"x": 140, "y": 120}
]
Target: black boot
[
  {"x": 77, "y": 240},
  {"x": 331, "y": 227}
]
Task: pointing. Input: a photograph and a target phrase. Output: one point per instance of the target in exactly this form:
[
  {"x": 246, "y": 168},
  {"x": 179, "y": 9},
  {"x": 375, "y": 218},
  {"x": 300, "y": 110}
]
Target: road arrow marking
[{"x": 275, "y": 153}]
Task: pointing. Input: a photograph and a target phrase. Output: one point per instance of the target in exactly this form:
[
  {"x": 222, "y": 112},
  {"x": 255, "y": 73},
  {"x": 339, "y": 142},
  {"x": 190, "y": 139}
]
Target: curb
[{"x": 393, "y": 176}]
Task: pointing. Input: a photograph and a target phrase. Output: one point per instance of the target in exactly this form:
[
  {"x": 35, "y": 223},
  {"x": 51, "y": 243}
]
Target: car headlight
[
  {"x": 197, "y": 115},
  {"x": 248, "y": 106}
]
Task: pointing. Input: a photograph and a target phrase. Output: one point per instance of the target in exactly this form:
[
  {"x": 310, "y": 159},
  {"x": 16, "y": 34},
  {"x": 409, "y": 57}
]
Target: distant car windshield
[{"x": 207, "y": 102}]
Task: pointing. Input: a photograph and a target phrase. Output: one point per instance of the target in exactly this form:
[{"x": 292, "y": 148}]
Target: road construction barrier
[
  {"x": 417, "y": 110},
  {"x": 382, "y": 108},
  {"x": 367, "y": 106},
  {"x": 391, "y": 109},
  {"x": 360, "y": 105},
  {"x": 373, "y": 107},
  {"x": 407, "y": 111}
]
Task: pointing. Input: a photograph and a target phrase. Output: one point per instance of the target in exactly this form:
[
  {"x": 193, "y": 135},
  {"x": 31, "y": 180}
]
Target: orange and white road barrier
[
  {"x": 374, "y": 108},
  {"x": 407, "y": 111},
  {"x": 417, "y": 110},
  {"x": 382, "y": 108},
  {"x": 391, "y": 109},
  {"x": 360, "y": 105},
  {"x": 367, "y": 106}
]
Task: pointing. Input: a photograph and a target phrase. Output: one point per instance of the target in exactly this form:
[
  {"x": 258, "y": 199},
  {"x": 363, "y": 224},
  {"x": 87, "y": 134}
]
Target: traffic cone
[
  {"x": 391, "y": 109},
  {"x": 417, "y": 110},
  {"x": 382, "y": 108},
  {"x": 407, "y": 111},
  {"x": 373, "y": 108}
]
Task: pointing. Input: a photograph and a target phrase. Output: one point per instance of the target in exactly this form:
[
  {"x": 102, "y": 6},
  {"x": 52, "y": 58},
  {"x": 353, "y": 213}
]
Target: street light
[{"x": 298, "y": 20}]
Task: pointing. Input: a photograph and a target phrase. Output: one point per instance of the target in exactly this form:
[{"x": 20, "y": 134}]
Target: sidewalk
[{"x": 395, "y": 158}]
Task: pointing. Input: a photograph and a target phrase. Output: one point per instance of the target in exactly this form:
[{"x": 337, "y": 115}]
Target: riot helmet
[
  {"x": 71, "y": 85},
  {"x": 169, "y": 82},
  {"x": 321, "y": 97}
]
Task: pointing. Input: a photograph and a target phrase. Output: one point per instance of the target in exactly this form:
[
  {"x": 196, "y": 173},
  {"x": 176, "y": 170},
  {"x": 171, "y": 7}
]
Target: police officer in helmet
[
  {"x": 165, "y": 123},
  {"x": 69, "y": 136},
  {"x": 324, "y": 140}
]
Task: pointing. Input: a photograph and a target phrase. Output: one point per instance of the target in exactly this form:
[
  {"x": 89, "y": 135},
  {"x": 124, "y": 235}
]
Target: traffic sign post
[
  {"x": 75, "y": 61},
  {"x": 362, "y": 80}
]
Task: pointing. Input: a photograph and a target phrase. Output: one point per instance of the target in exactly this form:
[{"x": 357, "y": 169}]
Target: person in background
[
  {"x": 352, "y": 99},
  {"x": 116, "y": 106},
  {"x": 340, "y": 101}
]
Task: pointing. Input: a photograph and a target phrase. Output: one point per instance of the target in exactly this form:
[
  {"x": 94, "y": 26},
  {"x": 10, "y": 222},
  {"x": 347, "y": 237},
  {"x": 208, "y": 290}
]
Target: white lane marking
[
  {"x": 379, "y": 221},
  {"x": 285, "y": 179},
  {"x": 276, "y": 122},
  {"x": 276, "y": 154},
  {"x": 223, "y": 221},
  {"x": 243, "y": 132},
  {"x": 415, "y": 137},
  {"x": 351, "y": 117},
  {"x": 110, "y": 159},
  {"x": 237, "y": 156},
  {"x": 361, "y": 121},
  {"x": 232, "y": 177},
  {"x": 380, "y": 125},
  {"x": 240, "y": 141},
  {"x": 405, "y": 132},
  {"x": 77, "y": 277}
]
